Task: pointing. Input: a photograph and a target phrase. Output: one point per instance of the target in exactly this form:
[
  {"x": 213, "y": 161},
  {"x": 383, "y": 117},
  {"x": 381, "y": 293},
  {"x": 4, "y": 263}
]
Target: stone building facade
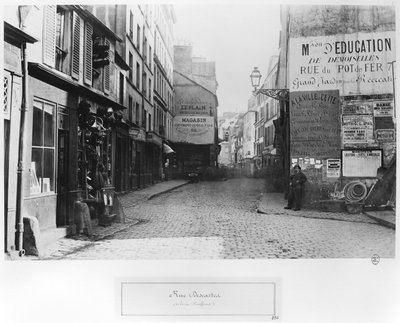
[{"x": 339, "y": 64}]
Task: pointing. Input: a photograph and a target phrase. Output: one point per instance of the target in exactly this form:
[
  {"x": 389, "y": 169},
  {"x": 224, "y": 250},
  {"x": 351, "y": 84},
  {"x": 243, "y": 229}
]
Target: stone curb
[
  {"x": 151, "y": 196},
  {"x": 381, "y": 221}
]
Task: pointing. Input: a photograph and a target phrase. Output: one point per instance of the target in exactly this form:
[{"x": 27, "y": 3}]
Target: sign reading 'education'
[{"x": 353, "y": 63}]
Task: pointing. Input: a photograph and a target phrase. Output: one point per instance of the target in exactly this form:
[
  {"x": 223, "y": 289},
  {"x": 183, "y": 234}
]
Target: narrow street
[{"x": 219, "y": 220}]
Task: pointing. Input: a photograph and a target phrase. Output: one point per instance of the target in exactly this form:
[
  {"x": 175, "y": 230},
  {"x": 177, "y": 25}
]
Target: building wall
[{"x": 345, "y": 52}]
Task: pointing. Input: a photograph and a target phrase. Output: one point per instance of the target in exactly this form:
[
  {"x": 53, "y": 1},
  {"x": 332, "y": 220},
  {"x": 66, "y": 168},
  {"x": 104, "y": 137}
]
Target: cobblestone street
[{"x": 219, "y": 220}]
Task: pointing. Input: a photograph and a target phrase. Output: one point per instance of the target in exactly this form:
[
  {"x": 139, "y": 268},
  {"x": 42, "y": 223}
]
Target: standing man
[{"x": 297, "y": 179}]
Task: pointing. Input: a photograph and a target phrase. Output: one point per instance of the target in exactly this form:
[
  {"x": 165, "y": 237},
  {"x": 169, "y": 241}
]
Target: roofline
[{"x": 185, "y": 76}]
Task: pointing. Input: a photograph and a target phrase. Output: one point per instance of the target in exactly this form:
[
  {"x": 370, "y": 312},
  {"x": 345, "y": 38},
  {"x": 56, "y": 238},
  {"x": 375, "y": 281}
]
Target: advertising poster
[
  {"x": 358, "y": 128},
  {"x": 193, "y": 130},
  {"x": 383, "y": 108},
  {"x": 333, "y": 168},
  {"x": 353, "y": 63},
  {"x": 361, "y": 163}
]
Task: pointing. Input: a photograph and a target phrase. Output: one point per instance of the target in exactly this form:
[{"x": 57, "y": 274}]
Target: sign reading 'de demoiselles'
[
  {"x": 194, "y": 129},
  {"x": 353, "y": 63}
]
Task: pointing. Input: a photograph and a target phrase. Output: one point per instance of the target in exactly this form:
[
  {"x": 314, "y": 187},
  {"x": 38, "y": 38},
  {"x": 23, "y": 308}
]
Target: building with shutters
[
  {"x": 72, "y": 115},
  {"x": 146, "y": 47}
]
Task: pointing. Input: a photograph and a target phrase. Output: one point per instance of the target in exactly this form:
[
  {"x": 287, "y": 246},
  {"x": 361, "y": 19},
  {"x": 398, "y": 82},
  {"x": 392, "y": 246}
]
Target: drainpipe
[{"x": 24, "y": 109}]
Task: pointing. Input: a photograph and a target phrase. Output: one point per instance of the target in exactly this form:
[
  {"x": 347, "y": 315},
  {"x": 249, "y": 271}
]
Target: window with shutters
[
  {"x": 76, "y": 45},
  {"x": 49, "y": 35},
  {"x": 61, "y": 49},
  {"x": 107, "y": 84},
  {"x": 88, "y": 70}
]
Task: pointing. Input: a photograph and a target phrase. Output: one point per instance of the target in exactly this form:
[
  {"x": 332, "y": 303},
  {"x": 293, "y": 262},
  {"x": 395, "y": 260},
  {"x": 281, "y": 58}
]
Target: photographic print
[{"x": 201, "y": 132}]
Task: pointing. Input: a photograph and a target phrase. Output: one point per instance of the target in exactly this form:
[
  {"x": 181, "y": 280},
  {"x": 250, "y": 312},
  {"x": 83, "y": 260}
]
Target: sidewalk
[
  {"x": 128, "y": 201},
  {"x": 386, "y": 218},
  {"x": 274, "y": 203}
]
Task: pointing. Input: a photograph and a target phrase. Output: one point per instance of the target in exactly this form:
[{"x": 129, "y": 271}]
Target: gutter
[{"x": 24, "y": 109}]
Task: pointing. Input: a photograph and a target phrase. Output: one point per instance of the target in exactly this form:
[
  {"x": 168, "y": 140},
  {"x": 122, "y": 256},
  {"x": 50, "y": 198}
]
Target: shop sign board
[
  {"x": 361, "y": 163},
  {"x": 194, "y": 129},
  {"x": 358, "y": 128},
  {"x": 193, "y": 106},
  {"x": 383, "y": 108},
  {"x": 333, "y": 168},
  {"x": 355, "y": 63},
  {"x": 137, "y": 134}
]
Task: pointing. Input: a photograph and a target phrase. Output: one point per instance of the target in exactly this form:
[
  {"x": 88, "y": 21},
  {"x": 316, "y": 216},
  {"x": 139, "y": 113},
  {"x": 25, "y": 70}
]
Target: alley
[{"x": 219, "y": 220}]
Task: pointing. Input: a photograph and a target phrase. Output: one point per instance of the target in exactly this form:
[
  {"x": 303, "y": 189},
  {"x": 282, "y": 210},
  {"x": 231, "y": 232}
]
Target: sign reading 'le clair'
[
  {"x": 353, "y": 63},
  {"x": 315, "y": 124}
]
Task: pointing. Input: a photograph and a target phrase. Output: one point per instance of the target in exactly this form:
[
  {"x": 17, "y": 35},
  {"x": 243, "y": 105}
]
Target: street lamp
[
  {"x": 277, "y": 94},
  {"x": 255, "y": 78}
]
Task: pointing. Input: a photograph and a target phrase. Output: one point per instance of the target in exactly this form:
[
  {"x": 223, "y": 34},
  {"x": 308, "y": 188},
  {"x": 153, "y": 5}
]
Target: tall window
[
  {"x": 144, "y": 83},
  {"x": 130, "y": 66},
  {"x": 138, "y": 76},
  {"x": 137, "y": 112},
  {"x": 150, "y": 57},
  {"x": 43, "y": 148},
  {"x": 61, "y": 52},
  {"x": 130, "y": 108},
  {"x": 121, "y": 88},
  {"x": 131, "y": 25},
  {"x": 150, "y": 89},
  {"x": 138, "y": 38}
]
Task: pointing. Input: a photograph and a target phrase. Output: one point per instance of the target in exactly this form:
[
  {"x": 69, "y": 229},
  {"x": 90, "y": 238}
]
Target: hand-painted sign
[
  {"x": 315, "y": 124},
  {"x": 385, "y": 135},
  {"x": 194, "y": 130},
  {"x": 354, "y": 63}
]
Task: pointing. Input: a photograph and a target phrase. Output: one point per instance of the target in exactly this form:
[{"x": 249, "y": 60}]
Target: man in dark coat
[{"x": 297, "y": 179}]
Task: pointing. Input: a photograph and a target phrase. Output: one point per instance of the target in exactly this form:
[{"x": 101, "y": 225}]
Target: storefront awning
[{"x": 167, "y": 149}]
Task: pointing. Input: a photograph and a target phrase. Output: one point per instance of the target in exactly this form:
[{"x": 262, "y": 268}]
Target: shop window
[{"x": 43, "y": 147}]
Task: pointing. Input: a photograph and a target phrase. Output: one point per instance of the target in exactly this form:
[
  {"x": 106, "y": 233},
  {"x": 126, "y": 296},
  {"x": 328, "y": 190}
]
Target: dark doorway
[{"x": 62, "y": 179}]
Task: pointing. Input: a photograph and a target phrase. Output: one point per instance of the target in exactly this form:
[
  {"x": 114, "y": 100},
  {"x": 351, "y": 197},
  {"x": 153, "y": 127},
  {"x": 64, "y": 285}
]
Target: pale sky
[{"x": 237, "y": 37}]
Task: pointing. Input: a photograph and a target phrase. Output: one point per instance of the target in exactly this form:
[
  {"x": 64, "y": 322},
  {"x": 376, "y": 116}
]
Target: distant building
[{"x": 194, "y": 135}]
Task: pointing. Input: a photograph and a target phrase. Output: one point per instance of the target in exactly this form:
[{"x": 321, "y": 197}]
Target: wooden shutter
[
  {"x": 76, "y": 43},
  {"x": 87, "y": 72},
  {"x": 107, "y": 70},
  {"x": 49, "y": 35}
]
